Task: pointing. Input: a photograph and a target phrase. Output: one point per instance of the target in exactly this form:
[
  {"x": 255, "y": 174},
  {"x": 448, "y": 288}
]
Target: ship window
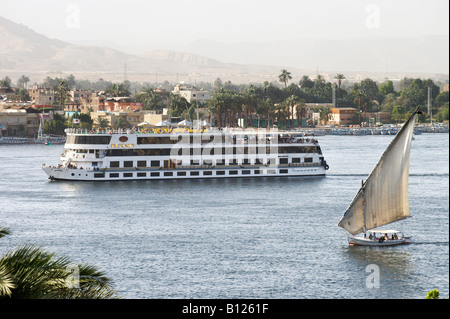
[
  {"x": 114, "y": 175},
  {"x": 207, "y": 162},
  {"x": 233, "y": 172},
  {"x": 89, "y": 139},
  {"x": 246, "y": 172},
  {"x": 257, "y": 171},
  {"x": 284, "y": 160},
  {"x": 195, "y": 162},
  {"x": 181, "y": 174},
  {"x": 245, "y": 161},
  {"x": 155, "y": 164},
  {"x": 141, "y": 174},
  {"x": 220, "y": 162},
  {"x": 128, "y": 164},
  {"x": 127, "y": 174},
  {"x": 220, "y": 173},
  {"x": 168, "y": 174},
  {"x": 142, "y": 163},
  {"x": 114, "y": 164},
  {"x": 154, "y": 174},
  {"x": 283, "y": 171},
  {"x": 233, "y": 162},
  {"x": 271, "y": 171},
  {"x": 308, "y": 159},
  {"x": 295, "y": 160},
  {"x": 207, "y": 173},
  {"x": 195, "y": 173},
  {"x": 259, "y": 161},
  {"x": 99, "y": 175}
]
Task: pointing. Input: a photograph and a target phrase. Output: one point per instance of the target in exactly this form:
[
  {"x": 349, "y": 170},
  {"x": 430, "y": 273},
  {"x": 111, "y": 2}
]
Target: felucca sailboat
[{"x": 383, "y": 197}]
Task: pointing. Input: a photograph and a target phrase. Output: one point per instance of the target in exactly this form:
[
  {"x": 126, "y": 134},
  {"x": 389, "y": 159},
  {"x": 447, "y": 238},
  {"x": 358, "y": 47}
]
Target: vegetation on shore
[{"x": 275, "y": 102}]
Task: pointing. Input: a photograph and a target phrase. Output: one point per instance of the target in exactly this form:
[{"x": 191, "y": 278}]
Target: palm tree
[
  {"x": 62, "y": 92},
  {"x": 284, "y": 77},
  {"x": 102, "y": 122},
  {"x": 291, "y": 102},
  {"x": 250, "y": 103},
  {"x": 29, "y": 272},
  {"x": 324, "y": 112},
  {"x": 23, "y": 80},
  {"x": 339, "y": 77},
  {"x": 118, "y": 89},
  {"x": 360, "y": 99},
  {"x": 306, "y": 82},
  {"x": 300, "y": 111}
]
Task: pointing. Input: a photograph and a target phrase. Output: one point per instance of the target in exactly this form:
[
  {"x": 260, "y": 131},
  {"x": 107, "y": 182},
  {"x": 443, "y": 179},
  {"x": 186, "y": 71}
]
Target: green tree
[
  {"x": 29, "y": 272},
  {"x": 432, "y": 294},
  {"x": 23, "y": 95},
  {"x": 339, "y": 77},
  {"x": 22, "y": 81},
  {"x": 118, "y": 89},
  {"x": 177, "y": 105},
  {"x": 306, "y": 82},
  {"x": 300, "y": 111},
  {"x": 56, "y": 125},
  {"x": 441, "y": 99},
  {"x": 62, "y": 93},
  {"x": 361, "y": 100},
  {"x": 387, "y": 88},
  {"x": 284, "y": 77},
  {"x": 250, "y": 103},
  {"x": 150, "y": 99},
  {"x": 324, "y": 113},
  {"x": 5, "y": 82},
  {"x": 291, "y": 102},
  {"x": 102, "y": 122},
  {"x": 398, "y": 113}
]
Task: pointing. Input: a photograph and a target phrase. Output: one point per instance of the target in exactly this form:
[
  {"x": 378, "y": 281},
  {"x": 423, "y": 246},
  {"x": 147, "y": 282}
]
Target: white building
[{"x": 191, "y": 94}]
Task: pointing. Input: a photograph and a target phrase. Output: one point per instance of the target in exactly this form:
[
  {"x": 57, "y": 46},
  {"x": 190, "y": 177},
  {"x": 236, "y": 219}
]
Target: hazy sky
[{"x": 141, "y": 24}]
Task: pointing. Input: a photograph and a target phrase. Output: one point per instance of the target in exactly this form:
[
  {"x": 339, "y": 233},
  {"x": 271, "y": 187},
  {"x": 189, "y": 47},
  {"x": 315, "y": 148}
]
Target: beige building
[
  {"x": 191, "y": 94},
  {"x": 41, "y": 96},
  {"x": 21, "y": 121},
  {"x": 84, "y": 101},
  {"x": 120, "y": 119},
  {"x": 342, "y": 116}
]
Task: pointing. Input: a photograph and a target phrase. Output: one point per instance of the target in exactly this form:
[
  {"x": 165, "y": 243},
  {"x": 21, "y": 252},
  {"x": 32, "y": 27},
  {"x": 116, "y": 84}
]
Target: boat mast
[{"x": 364, "y": 206}]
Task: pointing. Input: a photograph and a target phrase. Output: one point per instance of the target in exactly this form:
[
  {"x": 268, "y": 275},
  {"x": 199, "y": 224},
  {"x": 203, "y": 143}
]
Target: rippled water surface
[{"x": 237, "y": 238}]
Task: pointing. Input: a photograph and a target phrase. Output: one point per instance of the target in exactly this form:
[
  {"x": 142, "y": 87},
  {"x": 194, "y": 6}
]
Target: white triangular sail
[{"x": 383, "y": 198}]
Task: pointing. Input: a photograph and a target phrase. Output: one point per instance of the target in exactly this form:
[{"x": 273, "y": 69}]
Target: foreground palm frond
[
  {"x": 4, "y": 232},
  {"x": 29, "y": 272}
]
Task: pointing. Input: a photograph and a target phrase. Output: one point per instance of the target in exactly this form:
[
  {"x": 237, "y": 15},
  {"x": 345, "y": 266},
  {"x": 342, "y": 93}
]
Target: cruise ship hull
[{"x": 55, "y": 173}]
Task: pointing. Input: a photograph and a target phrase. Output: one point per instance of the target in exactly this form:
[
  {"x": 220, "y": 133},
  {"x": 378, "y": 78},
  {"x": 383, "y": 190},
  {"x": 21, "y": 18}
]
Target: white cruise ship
[{"x": 155, "y": 154}]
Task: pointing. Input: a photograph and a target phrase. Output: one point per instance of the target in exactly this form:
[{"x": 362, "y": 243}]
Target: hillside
[{"x": 24, "y": 51}]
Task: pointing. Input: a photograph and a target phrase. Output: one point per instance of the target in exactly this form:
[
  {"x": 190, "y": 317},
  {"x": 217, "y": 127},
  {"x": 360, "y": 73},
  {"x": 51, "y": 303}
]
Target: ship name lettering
[{"x": 122, "y": 145}]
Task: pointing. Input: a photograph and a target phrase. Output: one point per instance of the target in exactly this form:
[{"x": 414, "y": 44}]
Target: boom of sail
[{"x": 383, "y": 197}]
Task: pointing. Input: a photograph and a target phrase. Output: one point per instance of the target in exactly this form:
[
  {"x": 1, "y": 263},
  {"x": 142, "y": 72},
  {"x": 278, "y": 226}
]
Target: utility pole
[{"x": 429, "y": 105}]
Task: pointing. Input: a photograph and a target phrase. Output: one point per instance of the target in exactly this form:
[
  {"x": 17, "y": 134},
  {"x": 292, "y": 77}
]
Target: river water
[{"x": 236, "y": 238}]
